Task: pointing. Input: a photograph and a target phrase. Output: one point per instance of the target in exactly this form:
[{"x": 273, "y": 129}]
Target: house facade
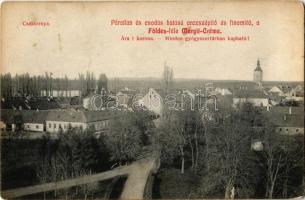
[
  {"x": 61, "y": 93},
  {"x": 152, "y": 101},
  {"x": 36, "y": 127},
  {"x": 28, "y": 120},
  {"x": 287, "y": 120},
  {"x": 256, "y": 97},
  {"x": 61, "y": 120},
  {"x": 264, "y": 102},
  {"x": 34, "y": 120}
]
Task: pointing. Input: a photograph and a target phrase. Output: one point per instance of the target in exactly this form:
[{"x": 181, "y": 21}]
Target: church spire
[{"x": 258, "y": 66}]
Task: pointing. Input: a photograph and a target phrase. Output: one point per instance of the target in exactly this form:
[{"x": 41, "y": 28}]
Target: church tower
[{"x": 258, "y": 74}]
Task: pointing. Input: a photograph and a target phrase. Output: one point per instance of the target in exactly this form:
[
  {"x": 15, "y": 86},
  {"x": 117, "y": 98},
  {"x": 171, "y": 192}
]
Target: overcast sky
[{"x": 80, "y": 38}]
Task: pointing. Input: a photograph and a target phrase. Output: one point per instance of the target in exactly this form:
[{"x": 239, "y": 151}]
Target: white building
[
  {"x": 276, "y": 90},
  {"x": 288, "y": 120},
  {"x": 256, "y": 97},
  {"x": 264, "y": 102},
  {"x": 223, "y": 91},
  {"x": 61, "y": 120},
  {"x": 152, "y": 101},
  {"x": 61, "y": 93},
  {"x": 34, "y": 120},
  {"x": 28, "y": 120}
]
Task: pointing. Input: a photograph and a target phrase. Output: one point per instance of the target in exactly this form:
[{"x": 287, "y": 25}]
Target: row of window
[
  {"x": 296, "y": 130},
  {"x": 65, "y": 126},
  {"x": 37, "y": 126}
]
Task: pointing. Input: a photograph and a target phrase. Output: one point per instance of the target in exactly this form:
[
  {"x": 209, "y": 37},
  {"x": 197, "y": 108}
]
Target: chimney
[{"x": 290, "y": 110}]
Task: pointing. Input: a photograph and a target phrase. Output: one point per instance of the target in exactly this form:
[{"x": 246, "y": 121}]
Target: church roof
[{"x": 258, "y": 67}]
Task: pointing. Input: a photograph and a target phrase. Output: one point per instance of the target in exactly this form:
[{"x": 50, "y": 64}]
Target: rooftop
[
  {"x": 279, "y": 116},
  {"x": 249, "y": 94},
  {"x": 258, "y": 67},
  {"x": 26, "y": 116},
  {"x": 72, "y": 115}
]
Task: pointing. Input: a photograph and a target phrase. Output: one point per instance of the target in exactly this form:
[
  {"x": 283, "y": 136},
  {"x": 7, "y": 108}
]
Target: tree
[
  {"x": 194, "y": 129},
  {"x": 124, "y": 140},
  {"x": 143, "y": 121},
  {"x": 281, "y": 155},
  {"x": 102, "y": 84},
  {"x": 230, "y": 150},
  {"x": 66, "y": 84},
  {"x": 167, "y": 79},
  {"x": 293, "y": 166},
  {"x": 173, "y": 137},
  {"x": 76, "y": 153},
  {"x": 229, "y": 154},
  {"x": 6, "y": 85}
]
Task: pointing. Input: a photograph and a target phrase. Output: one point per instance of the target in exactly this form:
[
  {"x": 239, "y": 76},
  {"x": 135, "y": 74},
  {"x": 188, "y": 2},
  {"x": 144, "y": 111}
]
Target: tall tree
[
  {"x": 229, "y": 153},
  {"x": 102, "y": 84},
  {"x": 124, "y": 140},
  {"x": 176, "y": 133},
  {"x": 167, "y": 79}
]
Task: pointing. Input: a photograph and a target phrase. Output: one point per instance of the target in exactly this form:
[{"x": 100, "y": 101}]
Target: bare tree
[
  {"x": 124, "y": 141},
  {"x": 280, "y": 156},
  {"x": 167, "y": 79},
  {"x": 173, "y": 139},
  {"x": 42, "y": 172}
]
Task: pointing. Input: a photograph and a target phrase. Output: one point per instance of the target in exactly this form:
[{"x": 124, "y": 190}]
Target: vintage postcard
[{"x": 152, "y": 99}]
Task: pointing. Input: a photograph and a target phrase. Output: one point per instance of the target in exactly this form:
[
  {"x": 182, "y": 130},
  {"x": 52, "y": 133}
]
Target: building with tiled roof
[
  {"x": 11, "y": 119},
  {"x": 296, "y": 94},
  {"x": 61, "y": 93},
  {"x": 288, "y": 120},
  {"x": 34, "y": 120},
  {"x": 29, "y": 120},
  {"x": 256, "y": 97},
  {"x": 276, "y": 90},
  {"x": 61, "y": 120}
]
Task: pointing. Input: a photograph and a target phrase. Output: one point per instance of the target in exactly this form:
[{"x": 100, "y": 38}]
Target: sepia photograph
[{"x": 152, "y": 100}]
